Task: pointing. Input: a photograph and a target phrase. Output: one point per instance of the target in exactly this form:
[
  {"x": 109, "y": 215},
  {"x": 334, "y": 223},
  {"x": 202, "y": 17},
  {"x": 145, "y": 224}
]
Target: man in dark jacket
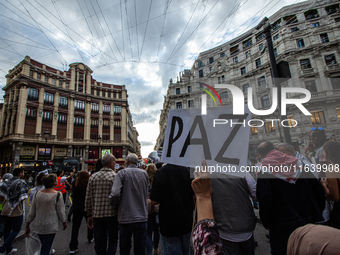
[{"x": 286, "y": 205}]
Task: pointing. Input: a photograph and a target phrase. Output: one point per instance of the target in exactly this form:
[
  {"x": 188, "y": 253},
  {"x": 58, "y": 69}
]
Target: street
[{"x": 61, "y": 242}]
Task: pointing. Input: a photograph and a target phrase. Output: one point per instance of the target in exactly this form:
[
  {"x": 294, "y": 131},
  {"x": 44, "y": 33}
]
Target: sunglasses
[{"x": 314, "y": 128}]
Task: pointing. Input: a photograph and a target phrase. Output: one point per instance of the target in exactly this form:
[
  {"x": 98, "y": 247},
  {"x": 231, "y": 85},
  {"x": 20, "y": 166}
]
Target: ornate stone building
[
  {"x": 307, "y": 36},
  {"x": 67, "y": 112}
]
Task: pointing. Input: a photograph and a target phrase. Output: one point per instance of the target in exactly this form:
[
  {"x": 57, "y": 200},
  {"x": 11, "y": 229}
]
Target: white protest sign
[{"x": 219, "y": 137}]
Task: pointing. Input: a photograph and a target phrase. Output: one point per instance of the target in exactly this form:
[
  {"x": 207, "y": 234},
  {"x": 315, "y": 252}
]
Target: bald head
[
  {"x": 286, "y": 148},
  {"x": 108, "y": 160},
  {"x": 264, "y": 148}
]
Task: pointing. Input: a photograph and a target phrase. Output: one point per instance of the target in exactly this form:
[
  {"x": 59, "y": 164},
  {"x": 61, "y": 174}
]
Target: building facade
[
  {"x": 307, "y": 36},
  {"x": 53, "y": 115}
]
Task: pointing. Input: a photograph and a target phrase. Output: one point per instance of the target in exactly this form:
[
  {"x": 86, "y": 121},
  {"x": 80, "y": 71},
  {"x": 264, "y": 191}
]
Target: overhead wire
[
  {"x": 136, "y": 29},
  {"x": 127, "y": 20},
  {"x": 146, "y": 27},
  {"x": 122, "y": 26}
]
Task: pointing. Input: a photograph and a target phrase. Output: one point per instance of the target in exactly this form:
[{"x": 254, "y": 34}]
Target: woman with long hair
[
  {"x": 47, "y": 207},
  {"x": 332, "y": 154},
  {"x": 152, "y": 224},
  {"x": 79, "y": 194}
]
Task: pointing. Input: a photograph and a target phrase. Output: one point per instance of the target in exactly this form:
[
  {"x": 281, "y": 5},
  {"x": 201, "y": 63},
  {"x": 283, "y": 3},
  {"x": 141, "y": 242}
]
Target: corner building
[
  {"x": 84, "y": 118},
  {"x": 307, "y": 36}
]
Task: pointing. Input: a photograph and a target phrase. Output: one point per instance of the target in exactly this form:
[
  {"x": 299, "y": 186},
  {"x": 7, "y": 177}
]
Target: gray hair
[
  {"x": 107, "y": 159},
  {"x": 287, "y": 146},
  {"x": 133, "y": 159}
]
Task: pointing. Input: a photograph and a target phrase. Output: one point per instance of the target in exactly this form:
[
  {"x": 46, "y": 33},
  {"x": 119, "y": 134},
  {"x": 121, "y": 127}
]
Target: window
[
  {"x": 265, "y": 101},
  {"x": 94, "y": 107},
  {"x": 224, "y": 95},
  {"x": 270, "y": 127},
  {"x": 223, "y": 78},
  {"x": 291, "y": 19},
  {"x": 294, "y": 29},
  {"x": 300, "y": 43},
  {"x": 189, "y": 89},
  {"x": 191, "y": 103},
  {"x": 291, "y": 122},
  {"x": 108, "y": 94},
  {"x": 53, "y": 81},
  {"x": 81, "y": 77},
  {"x": 120, "y": 95},
  {"x": 117, "y": 109},
  {"x": 330, "y": 59},
  {"x": 63, "y": 101},
  {"x": 243, "y": 70},
  {"x": 260, "y": 36},
  {"x": 106, "y": 108},
  {"x": 235, "y": 60},
  {"x": 247, "y": 43},
  {"x": 67, "y": 85},
  {"x": 79, "y": 104},
  {"x": 39, "y": 76},
  {"x": 59, "y": 83},
  {"x": 117, "y": 123},
  {"x": 48, "y": 98},
  {"x": 318, "y": 118},
  {"x": 46, "y": 78},
  {"x": 79, "y": 121},
  {"x": 47, "y": 116},
  {"x": 234, "y": 50},
  {"x": 80, "y": 88},
  {"x": 253, "y": 131},
  {"x": 178, "y": 91},
  {"x": 258, "y": 62},
  {"x": 98, "y": 92},
  {"x": 179, "y": 105},
  {"x": 94, "y": 122},
  {"x": 92, "y": 91},
  {"x": 261, "y": 81},
  {"x": 316, "y": 24},
  {"x": 31, "y": 73},
  {"x": 200, "y": 73},
  {"x": 338, "y": 113},
  {"x": 222, "y": 55},
  {"x": 245, "y": 88},
  {"x": 337, "y": 19},
  {"x": 275, "y": 52},
  {"x": 311, "y": 14},
  {"x": 211, "y": 60},
  {"x": 31, "y": 112},
  {"x": 335, "y": 81},
  {"x": 261, "y": 46},
  {"x": 248, "y": 53},
  {"x": 305, "y": 64},
  {"x": 275, "y": 37},
  {"x": 324, "y": 38},
  {"x": 33, "y": 93},
  {"x": 311, "y": 86},
  {"x": 106, "y": 123},
  {"x": 276, "y": 25},
  {"x": 219, "y": 80},
  {"x": 332, "y": 9},
  {"x": 62, "y": 118},
  {"x": 210, "y": 69},
  {"x": 200, "y": 64}
]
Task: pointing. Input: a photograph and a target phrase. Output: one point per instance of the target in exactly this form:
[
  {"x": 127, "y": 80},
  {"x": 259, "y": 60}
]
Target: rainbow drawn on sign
[{"x": 213, "y": 90}]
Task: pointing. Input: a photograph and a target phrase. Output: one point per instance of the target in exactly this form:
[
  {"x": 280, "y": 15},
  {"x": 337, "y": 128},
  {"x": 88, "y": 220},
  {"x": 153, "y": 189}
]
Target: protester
[
  {"x": 318, "y": 138},
  {"x": 234, "y": 212},
  {"x": 205, "y": 236},
  {"x": 130, "y": 188},
  {"x": 6, "y": 177},
  {"x": 314, "y": 240},
  {"x": 285, "y": 206},
  {"x": 47, "y": 208},
  {"x": 14, "y": 191},
  {"x": 153, "y": 227},
  {"x": 102, "y": 217},
  {"x": 79, "y": 194},
  {"x": 61, "y": 184},
  {"x": 38, "y": 186},
  {"x": 288, "y": 149},
  {"x": 171, "y": 188},
  {"x": 332, "y": 155}
]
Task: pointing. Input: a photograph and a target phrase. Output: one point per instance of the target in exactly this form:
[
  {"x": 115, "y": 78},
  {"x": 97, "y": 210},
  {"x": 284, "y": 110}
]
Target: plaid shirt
[{"x": 97, "y": 194}]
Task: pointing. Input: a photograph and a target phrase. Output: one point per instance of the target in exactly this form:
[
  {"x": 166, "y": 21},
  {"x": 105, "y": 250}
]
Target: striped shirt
[{"x": 97, "y": 194}]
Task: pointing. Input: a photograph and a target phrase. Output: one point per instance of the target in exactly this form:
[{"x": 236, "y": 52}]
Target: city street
[{"x": 61, "y": 242}]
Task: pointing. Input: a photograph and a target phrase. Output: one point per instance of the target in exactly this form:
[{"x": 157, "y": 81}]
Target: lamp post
[
  {"x": 99, "y": 140},
  {"x": 267, "y": 30},
  {"x": 46, "y": 136}
]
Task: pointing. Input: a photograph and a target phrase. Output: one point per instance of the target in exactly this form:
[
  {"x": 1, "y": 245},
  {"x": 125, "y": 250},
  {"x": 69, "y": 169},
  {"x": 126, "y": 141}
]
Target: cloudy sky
[{"x": 138, "y": 43}]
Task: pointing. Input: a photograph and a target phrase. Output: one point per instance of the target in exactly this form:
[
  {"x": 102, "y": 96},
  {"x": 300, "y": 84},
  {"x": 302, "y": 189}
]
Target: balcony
[
  {"x": 307, "y": 72},
  {"x": 333, "y": 68},
  {"x": 262, "y": 89},
  {"x": 318, "y": 94}
]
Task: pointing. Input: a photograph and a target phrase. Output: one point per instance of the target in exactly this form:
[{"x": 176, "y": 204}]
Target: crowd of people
[{"x": 164, "y": 204}]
